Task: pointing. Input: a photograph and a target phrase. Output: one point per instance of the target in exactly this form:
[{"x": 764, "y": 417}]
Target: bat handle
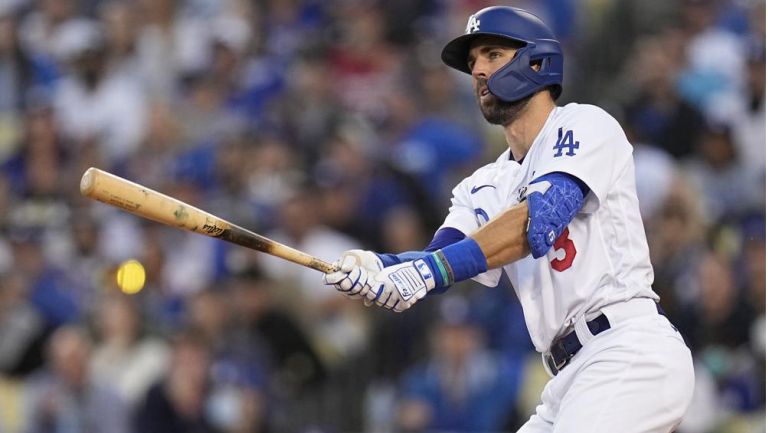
[{"x": 321, "y": 266}]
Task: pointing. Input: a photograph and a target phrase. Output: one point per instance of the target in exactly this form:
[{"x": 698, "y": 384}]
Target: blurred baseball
[{"x": 131, "y": 277}]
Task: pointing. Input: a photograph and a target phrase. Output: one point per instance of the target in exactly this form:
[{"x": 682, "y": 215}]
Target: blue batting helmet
[{"x": 516, "y": 79}]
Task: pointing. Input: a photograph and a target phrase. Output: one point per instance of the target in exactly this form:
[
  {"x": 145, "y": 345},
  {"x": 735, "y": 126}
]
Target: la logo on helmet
[{"x": 473, "y": 25}]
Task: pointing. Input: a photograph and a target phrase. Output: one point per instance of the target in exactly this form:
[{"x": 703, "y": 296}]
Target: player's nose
[{"x": 480, "y": 69}]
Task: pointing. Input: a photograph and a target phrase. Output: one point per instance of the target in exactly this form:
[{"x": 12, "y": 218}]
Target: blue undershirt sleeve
[{"x": 443, "y": 237}]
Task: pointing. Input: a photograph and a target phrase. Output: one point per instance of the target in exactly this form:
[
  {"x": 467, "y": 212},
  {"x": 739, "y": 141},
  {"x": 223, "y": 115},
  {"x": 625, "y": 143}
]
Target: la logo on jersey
[
  {"x": 565, "y": 141},
  {"x": 473, "y": 25}
]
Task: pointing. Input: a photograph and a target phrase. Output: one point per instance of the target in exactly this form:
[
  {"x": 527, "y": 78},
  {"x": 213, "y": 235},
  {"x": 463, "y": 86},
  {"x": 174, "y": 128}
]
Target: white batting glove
[
  {"x": 400, "y": 286},
  {"x": 354, "y": 276}
]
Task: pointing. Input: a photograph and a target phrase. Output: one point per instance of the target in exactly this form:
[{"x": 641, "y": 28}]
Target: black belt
[{"x": 566, "y": 347}]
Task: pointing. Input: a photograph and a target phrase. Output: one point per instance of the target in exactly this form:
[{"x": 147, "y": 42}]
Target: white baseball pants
[{"x": 635, "y": 377}]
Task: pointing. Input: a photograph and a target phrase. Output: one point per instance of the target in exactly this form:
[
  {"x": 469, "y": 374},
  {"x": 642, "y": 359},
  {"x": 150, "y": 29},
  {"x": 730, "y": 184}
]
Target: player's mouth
[{"x": 484, "y": 94}]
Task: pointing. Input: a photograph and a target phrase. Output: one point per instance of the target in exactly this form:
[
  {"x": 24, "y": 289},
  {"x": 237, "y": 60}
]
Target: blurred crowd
[{"x": 330, "y": 125}]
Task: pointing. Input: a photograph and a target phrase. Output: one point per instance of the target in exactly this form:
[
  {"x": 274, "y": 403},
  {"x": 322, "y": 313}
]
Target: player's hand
[
  {"x": 400, "y": 286},
  {"x": 355, "y": 272}
]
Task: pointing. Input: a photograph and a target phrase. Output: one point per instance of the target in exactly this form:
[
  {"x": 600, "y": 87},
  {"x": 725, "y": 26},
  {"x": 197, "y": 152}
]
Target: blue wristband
[
  {"x": 456, "y": 262},
  {"x": 466, "y": 259}
]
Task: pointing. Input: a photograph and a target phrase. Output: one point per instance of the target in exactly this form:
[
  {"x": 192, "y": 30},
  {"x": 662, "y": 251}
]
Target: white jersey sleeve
[
  {"x": 461, "y": 214},
  {"x": 468, "y": 213},
  {"x": 591, "y": 146}
]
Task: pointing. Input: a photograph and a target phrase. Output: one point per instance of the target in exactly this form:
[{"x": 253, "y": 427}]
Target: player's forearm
[{"x": 503, "y": 239}]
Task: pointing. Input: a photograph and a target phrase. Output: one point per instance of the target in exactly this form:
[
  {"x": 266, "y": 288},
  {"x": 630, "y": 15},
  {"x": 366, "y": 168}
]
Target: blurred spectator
[
  {"x": 22, "y": 328},
  {"x": 359, "y": 190},
  {"x": 271, "y": 174},
  {"x": 365, "y": 64},
  {"x": 237, "y": 388},
  {"x": 722, "y": 317},
  {"x": 463, "y": 387},
  {"x": 310, "y": 111},
  {"x": 124, "y": 360},
  {"x": 45, "y": 32},
  {"x": 83, "y": 262},
  {"x": 657, "y": 114},
  {"x": 49, "y": 291},
  {"x": 292, "y": 25},
  {"x": 159, "y": 148},
  {"x": 164, "y": 309},
  {"x": 297, "y": 367},
  {"x": 716, "y": 57},
  {"x": 183, "y": 276},
  {"x": 96, "y": 102},
  {"x": 171, "y": 44},
  {"x": 35, "y": 170},
  {"x": 403, "y": 230},
  {"x": 301, "y": 227},
  {"x": 435, "y": 150},
  {"x": 749, "y": 125},
  {"x": 676, "y": 243},
  {"x": 63, "y": 399},
  {"x": 20, "y": 75},
  {"x": 336, "y": 326},
  {"x": 715, "y": 170},
  {"x": 203, "y": 115},
  {"x": 177, "y": 403},
  {"x": 655, "y": 171},
  {"x": 744, "y": 113},
  {"x": 120, "y": 22}
]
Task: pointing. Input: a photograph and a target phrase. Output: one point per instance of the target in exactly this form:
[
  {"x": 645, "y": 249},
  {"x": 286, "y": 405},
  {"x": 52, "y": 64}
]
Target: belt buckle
[{"x": 554, "y": 367}]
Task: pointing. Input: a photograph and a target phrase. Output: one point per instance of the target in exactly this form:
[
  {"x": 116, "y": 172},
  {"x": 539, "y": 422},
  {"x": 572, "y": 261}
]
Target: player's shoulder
[
  {"x": 588, "y": 117},
  {"x": 489, "y": 171},
  {"x": 503, "y": 162},
  {"x": 586, "y": 112}
]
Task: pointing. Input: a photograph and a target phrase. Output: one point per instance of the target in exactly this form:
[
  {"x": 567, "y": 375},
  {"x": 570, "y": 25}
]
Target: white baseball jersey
[{"x": 602, "y": 256}]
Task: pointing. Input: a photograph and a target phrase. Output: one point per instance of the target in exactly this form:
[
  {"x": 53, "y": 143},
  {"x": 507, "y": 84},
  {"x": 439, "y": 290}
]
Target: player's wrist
[
  {"x": 388, "y": 259},
  {"x": 404, "y": 257},
  {"x": 457, "y": 262}
]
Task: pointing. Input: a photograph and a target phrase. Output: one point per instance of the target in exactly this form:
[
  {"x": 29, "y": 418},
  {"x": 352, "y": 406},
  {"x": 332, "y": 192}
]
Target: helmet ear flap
[
  {"x": 518, "y": 79},
  {"x": 509, "y": 82}
]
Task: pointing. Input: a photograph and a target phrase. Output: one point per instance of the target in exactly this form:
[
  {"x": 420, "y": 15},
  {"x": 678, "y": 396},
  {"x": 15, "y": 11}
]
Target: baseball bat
[{"x": 147, "y": 203}]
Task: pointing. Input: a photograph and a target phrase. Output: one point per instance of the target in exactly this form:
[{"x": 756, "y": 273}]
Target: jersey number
[{"x": 565, "y": 244}]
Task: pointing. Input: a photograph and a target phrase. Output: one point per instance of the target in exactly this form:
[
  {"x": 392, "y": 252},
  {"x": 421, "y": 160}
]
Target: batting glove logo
[
  {"x": 402, "y": 286},
  {"x": 408, "y": 281},
  {"x": 423, "y": 269}
]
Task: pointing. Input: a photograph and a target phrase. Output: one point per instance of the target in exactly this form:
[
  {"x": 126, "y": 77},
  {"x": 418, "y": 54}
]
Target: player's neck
[{"x": 521, "y": 132}]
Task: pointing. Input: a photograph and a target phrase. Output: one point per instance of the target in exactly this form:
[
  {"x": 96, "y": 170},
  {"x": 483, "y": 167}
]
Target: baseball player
[{"x": 558, "y": 213}]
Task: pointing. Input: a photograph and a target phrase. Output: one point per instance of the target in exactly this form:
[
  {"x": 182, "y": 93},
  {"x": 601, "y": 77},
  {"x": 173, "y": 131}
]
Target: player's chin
[
  {"x": 493, "y": 111},
  {"x": 498, "y": 112}
]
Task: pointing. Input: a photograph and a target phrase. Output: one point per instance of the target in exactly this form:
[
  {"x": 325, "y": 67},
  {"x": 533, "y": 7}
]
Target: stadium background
[{"x": 330, "y": 125}]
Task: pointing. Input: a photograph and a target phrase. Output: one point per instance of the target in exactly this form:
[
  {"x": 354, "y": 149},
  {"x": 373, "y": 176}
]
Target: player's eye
[{"x": 494, "y": 55}]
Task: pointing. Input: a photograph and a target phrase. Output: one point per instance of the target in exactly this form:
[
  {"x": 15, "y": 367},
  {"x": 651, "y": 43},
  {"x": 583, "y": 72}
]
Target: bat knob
[{"x": 87, "y": 182}]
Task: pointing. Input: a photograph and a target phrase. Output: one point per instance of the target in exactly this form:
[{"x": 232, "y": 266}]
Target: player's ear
[{"x": 536, "y": 65}]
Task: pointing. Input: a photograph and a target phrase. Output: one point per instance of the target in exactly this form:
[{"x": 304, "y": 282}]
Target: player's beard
[{"x": 496, "y": 111}]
